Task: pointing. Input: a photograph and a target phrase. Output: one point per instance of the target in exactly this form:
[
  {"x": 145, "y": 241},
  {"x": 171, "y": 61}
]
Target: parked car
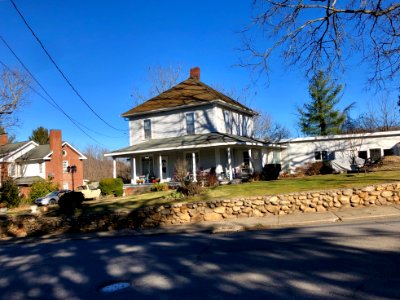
[
  {"x": 51, "y": 198},
  {"x": 89, "y": 192}
]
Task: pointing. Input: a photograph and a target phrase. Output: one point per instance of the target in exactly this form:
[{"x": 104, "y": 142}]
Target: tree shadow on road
[{"x": 293, "y": 263}]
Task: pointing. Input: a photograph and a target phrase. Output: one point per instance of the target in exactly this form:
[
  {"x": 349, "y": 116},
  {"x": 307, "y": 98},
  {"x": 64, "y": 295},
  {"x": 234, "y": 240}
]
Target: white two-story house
[{"x": 192, "y": 122}]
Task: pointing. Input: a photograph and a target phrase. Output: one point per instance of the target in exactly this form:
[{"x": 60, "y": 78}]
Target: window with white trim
[
  {"x": 190, "y": 123},
  {"x": 324, "y": 155},
  {"x": 65, "y": 166},
  {"x": 147, "y": 129}
]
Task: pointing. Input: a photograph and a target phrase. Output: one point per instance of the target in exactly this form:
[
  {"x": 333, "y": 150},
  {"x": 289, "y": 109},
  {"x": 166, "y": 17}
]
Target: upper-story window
[
  {"x": 244, "y": 126},
  {"x": 147, "y": 129},
  {"x": 65, "y": 166},
  {"x": 228, "y": 122},
  {"x": 190, "y": 123}
]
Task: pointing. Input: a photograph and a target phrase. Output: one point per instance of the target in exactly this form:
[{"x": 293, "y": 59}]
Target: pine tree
[
  {"x": 319, "y": 116},
  {"x": 40, "y": 135}
]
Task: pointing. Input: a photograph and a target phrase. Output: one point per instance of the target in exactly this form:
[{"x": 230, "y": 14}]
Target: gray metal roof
[
  {"x": 36, "y": 153},
  {"x": 9, "y": 148},
  {"x": 28, "y": 180},
  {"x": 213, "y": 139}
]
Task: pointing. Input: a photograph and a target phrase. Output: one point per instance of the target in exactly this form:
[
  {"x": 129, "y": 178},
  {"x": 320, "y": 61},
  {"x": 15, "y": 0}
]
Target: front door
[
  {"x": 164, "y": 167},
  {"x": 147, "y": 166}
]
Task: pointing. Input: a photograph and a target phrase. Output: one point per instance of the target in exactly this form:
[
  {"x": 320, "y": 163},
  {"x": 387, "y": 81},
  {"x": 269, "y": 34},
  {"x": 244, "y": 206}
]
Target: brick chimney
[
  {"x": 195, "y": 73},
  {"x": 56, "y": 165},
  {"x": 3, "y": 139}
]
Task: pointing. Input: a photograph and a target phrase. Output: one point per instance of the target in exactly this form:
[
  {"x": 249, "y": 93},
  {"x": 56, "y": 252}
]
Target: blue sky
[{"x": 106, "y": 47}]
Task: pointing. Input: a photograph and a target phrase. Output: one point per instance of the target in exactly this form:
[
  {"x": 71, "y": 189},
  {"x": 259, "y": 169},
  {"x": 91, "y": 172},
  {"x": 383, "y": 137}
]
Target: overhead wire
[
  {"x": 61, "y": 72},
  {"x": 53, "y": 102}
]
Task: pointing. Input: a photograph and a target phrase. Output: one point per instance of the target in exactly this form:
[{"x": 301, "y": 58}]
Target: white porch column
[
  {"x": 229, "y": 163},
  {"x": 194, "y": 166},
  {"x": 218, "y": 166},
  {"x": 160, "y": 167},
  {"x": 264, "y": 158},
  {"x": 133, "y": 170},
  {"x": 250, "y": 161},
  {"x": 114, "y": 168}
]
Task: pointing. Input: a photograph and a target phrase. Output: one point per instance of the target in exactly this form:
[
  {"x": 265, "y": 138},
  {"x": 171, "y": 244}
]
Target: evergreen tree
[
  {"x": 40, "y": 135},
  {"x": 319, "y": 116}
]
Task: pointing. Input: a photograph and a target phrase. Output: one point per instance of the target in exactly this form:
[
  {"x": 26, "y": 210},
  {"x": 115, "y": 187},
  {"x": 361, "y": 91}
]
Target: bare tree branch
[
  {"x": 14, "y": 85},
  {"x": 159, "y": 80},
  {"x": 325, "y": 34}
]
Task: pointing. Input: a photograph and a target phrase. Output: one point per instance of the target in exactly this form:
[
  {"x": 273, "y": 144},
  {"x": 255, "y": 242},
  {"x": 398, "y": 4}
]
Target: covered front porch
[{"x": 227, "y": 156}]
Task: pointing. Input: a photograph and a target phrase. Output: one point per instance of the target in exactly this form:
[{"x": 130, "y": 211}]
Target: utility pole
[{"x": 72, "y": 170}]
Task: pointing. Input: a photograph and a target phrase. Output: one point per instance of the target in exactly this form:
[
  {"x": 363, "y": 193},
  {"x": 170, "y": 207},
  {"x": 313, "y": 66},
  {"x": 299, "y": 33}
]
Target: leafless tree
[
  {"x": 159, "y": 79},
  {"x": 14, "y": 85},
  {"x": 381, "y": 115},
  {"x": 266, "y": 128},
  {"x": 325, "y": 34},
  {"x": 181, "y": 170},
  {"x": 96, "y": 166}
]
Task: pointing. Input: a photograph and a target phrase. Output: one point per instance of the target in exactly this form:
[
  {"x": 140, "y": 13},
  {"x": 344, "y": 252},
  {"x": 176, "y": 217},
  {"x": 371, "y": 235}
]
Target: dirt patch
[{"x": 389, "y": 163}]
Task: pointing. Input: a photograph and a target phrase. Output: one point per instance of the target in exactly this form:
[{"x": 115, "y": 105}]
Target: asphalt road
[{"x": 338, "y": 261}]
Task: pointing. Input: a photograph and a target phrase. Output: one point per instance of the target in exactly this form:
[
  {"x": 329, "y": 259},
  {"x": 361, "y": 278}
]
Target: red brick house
[{"x": 28, "y": 162}]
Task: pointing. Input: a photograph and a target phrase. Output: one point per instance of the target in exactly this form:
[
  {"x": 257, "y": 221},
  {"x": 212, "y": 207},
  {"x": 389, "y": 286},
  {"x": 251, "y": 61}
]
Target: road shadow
[{"x": 294, "y": 263}]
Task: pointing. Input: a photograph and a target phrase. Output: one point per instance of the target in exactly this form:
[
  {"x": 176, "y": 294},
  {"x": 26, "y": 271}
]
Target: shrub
[
  {"x": 111, "y": 186},
  {"x": 159, "y": 187},
  {"x": 42, "y": 188},
  {"x": 256, "y": 176},
  {"x": 191, "y": 189},
  {"x": 69, "y": 202},
  {"x": 271, "y": 171},
  {"x": 176, "y": 195},
  {"x": 9, "y": 193},
  {"x": 317, "y": 168},
  {"x": 180, "y": 170},
  {"x": 212, "y": 180}
]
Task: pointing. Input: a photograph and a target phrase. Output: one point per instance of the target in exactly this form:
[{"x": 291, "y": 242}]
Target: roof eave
[{"x": 218, "y": 101}]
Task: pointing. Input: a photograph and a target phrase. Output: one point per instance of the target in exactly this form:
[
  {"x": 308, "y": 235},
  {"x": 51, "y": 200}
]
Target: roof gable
[
  {"x": 8, "y": 149},
  {"x": 66, "y": 144},
  {"x": 187, "y": 93},
  {"x": 39, "y": 152},
  {"x": 43, "y": 152}
]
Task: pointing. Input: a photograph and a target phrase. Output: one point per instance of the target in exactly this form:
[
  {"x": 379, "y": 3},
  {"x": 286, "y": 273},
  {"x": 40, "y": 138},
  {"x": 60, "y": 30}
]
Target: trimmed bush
[
  {"x": 191, "y": 189},
  {"x": 316, "y": 168},
  {"x": 69, "y": 202},
  {"x": 111, "y": 186},
  {"x": 42, "y": 188},
  {"x": 9, "y": 193},
  {"x": 159, "y": 187},
  {"x": 271, "y": 171}
]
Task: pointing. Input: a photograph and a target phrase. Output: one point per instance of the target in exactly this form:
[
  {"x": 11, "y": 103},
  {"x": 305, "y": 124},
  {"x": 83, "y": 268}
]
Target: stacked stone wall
[
  {"x": 313, "y": 201},
  {"x": 184, "y": 213}
]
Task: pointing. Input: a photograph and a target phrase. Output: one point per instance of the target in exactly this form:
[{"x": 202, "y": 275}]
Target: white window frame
[
  {"x": 149, "y": 135},
  {"x": 65, "y": 164},
  {"x": 187, "y": 124}
]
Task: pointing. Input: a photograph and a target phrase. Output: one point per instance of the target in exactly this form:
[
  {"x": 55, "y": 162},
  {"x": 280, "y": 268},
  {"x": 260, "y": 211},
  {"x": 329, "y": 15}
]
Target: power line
[
  {"x": 53, "y": 103},
  {"x": 60, "y": 71}
]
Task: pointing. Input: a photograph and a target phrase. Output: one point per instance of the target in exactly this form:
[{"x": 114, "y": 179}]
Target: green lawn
[{"x": 260, "y": 188}]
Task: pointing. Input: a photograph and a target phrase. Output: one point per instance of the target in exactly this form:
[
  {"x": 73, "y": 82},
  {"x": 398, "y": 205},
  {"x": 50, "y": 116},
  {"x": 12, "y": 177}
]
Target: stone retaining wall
[
  {"x": 181, "y": 213},
  {"x": 313, "y": 201}
]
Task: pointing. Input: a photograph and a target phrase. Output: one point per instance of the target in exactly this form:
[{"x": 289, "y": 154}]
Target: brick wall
[
  {"x": 54, "y": 166},
  {"x": 73, "y": 160}
]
